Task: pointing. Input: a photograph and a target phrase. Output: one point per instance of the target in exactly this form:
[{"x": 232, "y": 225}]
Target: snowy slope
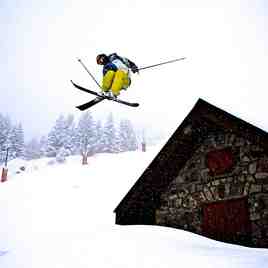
[{"x": 61, "y": 216}]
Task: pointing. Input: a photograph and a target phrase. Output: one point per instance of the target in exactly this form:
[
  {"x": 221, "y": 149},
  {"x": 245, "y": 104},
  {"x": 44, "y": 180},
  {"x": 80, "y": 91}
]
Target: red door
[{"x": 227, "y": 221}]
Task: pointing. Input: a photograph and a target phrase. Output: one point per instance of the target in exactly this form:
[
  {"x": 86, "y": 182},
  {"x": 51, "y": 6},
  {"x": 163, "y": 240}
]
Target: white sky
[{"x": 224, "y": 42}]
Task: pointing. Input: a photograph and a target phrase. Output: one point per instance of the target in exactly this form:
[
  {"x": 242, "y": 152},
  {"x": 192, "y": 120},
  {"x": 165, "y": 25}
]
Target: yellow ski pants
[{"x": 115, "y": 81}]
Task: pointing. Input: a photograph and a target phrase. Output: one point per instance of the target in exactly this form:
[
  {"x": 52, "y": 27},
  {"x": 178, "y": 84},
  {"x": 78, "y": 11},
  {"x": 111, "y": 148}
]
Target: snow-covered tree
[
  {"x": 56, "y": 137},
  {"x": 20, "y": 141},
  {"x": 128, "y": 139},
  {"x": 16, "y": 139},
  {"x": 62, "y": 154},
  {"x": 33, "y": 149},
  {"x": 5, "y": 128},
  {"x": 70, "y": 135},
  {"x": 109, "y": 141},
  {"x": 98, "y": 137},
  {"x": 61, "y": 135},
  {"x": 86, "y": 134},
  {"x": 43, "y": 146}
]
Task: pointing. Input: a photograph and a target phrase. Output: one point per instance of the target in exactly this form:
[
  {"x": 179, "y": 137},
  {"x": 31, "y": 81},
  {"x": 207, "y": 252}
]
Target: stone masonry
[{"x": 199, "y": 182}]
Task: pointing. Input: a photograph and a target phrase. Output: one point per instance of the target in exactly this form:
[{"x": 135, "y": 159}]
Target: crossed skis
[{"x": 100, "y": 97}]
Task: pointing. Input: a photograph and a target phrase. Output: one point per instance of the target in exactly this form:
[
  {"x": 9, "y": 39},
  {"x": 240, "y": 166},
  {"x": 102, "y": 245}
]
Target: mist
[{"x": 224, "y": 43}]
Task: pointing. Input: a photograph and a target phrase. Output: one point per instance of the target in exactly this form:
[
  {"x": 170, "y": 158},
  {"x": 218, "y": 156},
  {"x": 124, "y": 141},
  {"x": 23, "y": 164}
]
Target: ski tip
[{"x": 79, "y": 108}]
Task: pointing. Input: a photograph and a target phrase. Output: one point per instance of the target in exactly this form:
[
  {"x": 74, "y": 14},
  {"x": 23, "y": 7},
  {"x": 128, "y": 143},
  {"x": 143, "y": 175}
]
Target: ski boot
[
  {"x": 106, "y": 94},
  {"x": 114, "y": 97}
]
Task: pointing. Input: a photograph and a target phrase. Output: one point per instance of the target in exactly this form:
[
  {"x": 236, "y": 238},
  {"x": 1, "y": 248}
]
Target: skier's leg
[
  {"x": 107, "y": 81},
  {"x": 127, "y": 83},
  {"x": 120, "y": 80}
]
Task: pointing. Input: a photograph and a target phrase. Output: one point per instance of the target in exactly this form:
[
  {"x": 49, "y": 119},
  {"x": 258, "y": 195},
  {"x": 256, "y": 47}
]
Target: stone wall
[{"x": 223, "y": 167}]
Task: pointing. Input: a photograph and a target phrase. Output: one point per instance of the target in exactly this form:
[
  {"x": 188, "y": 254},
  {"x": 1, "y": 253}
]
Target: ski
[
  {"x": 100, "y": 97},
  {"x": 89, "y": 104}
]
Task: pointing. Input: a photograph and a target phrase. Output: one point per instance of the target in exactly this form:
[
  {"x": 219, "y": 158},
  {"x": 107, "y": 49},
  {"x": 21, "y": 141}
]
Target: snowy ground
[{"x": 61, "y": 216}]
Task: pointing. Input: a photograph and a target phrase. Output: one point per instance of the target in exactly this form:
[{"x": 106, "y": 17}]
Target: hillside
[{"x": 61, "y": 216}]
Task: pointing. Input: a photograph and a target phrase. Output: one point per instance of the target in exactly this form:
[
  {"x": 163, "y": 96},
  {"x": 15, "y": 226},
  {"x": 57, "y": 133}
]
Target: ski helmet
[{"x": 102, "y": 59}]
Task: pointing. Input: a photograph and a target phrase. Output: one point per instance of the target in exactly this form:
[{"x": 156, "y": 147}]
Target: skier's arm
[
  {"x": 134, "y": 68},
  {"x": 130, "y": 64}
]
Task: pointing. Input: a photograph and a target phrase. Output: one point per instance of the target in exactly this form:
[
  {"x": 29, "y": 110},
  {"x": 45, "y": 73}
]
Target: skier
[
  {"x": 116, "y": 76},
  {"x": 116, "y": 73}
]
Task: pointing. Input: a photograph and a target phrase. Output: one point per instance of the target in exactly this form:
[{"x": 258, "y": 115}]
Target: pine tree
[
  {"x": 20, "y": 141},
  {"x": 86, "y": 134},
  {"x": 61, "y": 155},
  {"x": 56, "y": 137},
  {"x": 16, "y": 139},
  {"x": 32, "y": 149},
  {"x": 5, "y": 129},
  {"x": 117, "y": 139},
  {"x": 98, "y": 135},
  {"x": 69, "y": 134},
  {"x": 128, "y": 139},
  {"x": 109, "y": 137},
  {"x": 43, "y": 143}
]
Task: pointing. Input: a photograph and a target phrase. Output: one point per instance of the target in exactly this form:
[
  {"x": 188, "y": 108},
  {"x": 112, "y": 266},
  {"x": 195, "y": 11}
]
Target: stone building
[{"x": 210, "y": 178}]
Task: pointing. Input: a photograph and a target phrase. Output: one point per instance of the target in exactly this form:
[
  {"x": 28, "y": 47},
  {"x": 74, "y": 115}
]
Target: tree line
[
  {"x": 11, "y": 137},
  {"x": 87, "y": 136}
]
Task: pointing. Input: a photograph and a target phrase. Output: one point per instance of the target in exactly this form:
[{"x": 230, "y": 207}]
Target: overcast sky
[{"x": 225, "y": 43}]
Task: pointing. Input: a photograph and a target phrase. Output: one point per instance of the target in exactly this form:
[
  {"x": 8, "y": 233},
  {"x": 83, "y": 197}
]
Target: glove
[{"x": 135, "y": 69}]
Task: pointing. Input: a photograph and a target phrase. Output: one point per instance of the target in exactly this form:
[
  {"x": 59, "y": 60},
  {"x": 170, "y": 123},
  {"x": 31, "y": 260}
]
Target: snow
[{"x": 61, "y": 216}]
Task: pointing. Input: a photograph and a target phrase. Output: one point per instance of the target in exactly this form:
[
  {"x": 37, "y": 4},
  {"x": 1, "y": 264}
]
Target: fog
[{"x": 224, "y": 42}]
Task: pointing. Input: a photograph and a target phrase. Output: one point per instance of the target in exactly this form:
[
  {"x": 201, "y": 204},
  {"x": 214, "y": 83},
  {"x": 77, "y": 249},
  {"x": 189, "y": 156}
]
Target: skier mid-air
[
  {"x": 116, "y": 73},
  {"x": 116, "y": 76}
]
